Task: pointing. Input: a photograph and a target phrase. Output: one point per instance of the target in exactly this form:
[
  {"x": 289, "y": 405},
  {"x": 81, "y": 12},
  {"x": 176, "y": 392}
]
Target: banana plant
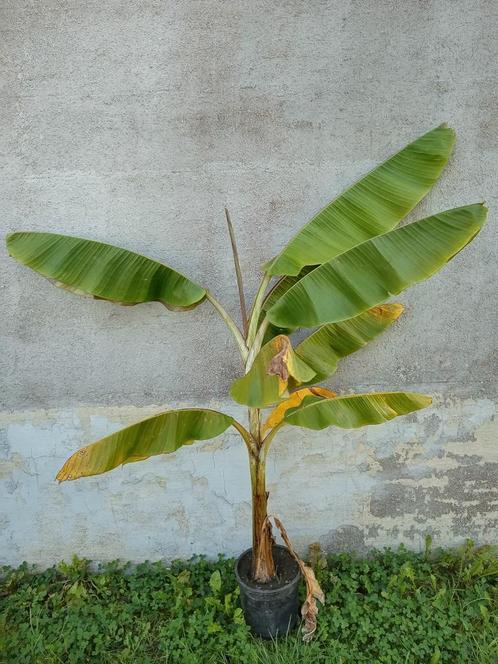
[{"x": 333, "y": 278}]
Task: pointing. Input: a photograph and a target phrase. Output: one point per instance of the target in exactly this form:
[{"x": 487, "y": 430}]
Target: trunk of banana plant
[{"x": 263, "y": 566}]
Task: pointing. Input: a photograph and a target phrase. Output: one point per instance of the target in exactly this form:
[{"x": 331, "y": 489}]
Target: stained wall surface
[{"x": 134, "y": 123}]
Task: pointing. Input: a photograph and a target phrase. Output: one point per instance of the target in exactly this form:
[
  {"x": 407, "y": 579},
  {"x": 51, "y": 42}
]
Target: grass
[{"x": 392, "y": 607}]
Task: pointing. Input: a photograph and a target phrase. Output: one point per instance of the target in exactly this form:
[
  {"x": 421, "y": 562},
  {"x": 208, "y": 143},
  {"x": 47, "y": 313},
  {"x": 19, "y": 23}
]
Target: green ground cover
[{"x": 392, "y": 607}]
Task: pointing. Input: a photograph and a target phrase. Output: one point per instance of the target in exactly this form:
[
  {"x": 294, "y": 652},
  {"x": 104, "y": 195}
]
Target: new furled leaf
[
  {"x": 103, "y": 271},
  {"x": 374, "y": 205},
  {"x": 373, "y": 271},
  {"x": 160, "y": 434},
  {"x": 275, "y": 368},
  {"x": 323, "y": 349},
  {"x": 357, "y": 410}
]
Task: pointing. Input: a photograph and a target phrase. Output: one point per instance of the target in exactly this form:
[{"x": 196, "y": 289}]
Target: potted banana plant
[{"x": 334, "y": 278}]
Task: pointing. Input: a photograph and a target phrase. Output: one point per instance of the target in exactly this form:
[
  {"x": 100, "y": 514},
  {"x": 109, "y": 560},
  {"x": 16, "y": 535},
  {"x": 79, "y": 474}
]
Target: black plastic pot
[{"x": 271, "y": 609}]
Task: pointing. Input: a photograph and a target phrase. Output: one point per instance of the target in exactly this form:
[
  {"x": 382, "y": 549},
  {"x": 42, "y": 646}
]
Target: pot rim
[{"x": 266, "y": 591}]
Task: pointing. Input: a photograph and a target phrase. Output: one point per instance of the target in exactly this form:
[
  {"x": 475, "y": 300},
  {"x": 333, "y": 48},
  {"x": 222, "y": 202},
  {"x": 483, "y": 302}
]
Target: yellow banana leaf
[
  {"x": 277, "y": 414},
  {"x": 160, "y": 434}
]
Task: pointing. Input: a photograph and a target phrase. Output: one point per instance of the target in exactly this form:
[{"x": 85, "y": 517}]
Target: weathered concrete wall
[{"x": 134, "y": 123}]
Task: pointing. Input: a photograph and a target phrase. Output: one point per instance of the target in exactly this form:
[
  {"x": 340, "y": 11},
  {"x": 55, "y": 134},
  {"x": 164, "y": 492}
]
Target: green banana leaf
[
  {"x": 323, "y": 349},
  {"x": 275, "y": 369},
  {"x": 357, "y": 410},
  {"x": 372, "y": 206},
  {"x": 283, "y": 285},
  {"x": 373, "y": 271},
  {"x": 275, "y": 293},
  {"x": 271, "y": 331},
  {"x": 103, "y": 271},
  {"x": 161, "y": 434}
]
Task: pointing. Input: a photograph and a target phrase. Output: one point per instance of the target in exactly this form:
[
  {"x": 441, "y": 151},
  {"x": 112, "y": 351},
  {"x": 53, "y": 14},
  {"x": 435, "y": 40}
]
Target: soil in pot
[{"x": 271, "y": 609}]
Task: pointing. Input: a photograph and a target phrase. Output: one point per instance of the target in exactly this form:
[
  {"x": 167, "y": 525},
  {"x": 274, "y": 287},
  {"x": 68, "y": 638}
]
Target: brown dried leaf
[
  {"x": 309, "y": 609},
  {"x": 278, "y": 364}
]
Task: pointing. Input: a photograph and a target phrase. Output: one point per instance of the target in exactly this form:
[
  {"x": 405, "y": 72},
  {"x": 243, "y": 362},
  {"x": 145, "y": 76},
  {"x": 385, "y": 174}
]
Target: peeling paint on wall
[{"x": 433, "y": 472}]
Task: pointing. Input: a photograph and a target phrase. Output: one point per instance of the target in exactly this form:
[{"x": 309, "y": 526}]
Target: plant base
[{"x": 270, "y": 609}]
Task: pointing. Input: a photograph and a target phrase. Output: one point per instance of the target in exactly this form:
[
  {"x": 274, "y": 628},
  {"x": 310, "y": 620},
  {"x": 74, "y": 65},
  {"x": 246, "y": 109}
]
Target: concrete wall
[{"x": 134, "y": 123}]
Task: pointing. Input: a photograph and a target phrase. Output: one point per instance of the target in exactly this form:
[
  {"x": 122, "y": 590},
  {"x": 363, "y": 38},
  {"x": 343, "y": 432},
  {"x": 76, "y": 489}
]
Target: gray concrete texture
[{"x": 134, "y": 123}]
